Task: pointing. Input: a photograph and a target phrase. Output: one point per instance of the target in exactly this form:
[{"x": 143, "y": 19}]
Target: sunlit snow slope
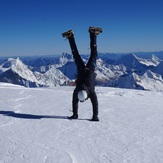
[{"x": 34, "y": 127}]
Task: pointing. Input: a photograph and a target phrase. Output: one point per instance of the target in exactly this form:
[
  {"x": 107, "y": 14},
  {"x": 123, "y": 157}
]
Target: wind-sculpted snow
[{"x": 34, "y": 126}]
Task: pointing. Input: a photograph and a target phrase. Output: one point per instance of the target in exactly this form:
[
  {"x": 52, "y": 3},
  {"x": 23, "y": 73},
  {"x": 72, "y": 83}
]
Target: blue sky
[{"x": 34, "y": 27}]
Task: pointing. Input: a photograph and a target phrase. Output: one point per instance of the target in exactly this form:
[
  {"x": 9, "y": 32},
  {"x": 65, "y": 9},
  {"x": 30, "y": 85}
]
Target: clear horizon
[{"x": 30, "y": 28}]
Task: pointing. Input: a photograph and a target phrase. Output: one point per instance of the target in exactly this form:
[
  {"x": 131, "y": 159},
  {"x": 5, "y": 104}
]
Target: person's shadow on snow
[{"x": 29, "y": 116}]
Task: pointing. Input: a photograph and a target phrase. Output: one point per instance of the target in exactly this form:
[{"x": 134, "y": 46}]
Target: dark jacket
[{"x": 86, "y": 77}]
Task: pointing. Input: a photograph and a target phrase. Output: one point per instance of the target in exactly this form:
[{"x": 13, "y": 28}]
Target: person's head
[{"x": 82, "y": 95}]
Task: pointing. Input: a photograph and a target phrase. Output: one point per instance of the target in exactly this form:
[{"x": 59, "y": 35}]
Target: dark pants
[{"x": 80, "y": 66}]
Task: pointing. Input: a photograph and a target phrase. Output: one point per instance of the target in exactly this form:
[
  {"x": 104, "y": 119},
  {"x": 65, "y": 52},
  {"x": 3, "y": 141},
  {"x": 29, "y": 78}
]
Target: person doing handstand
[{"x": 85, "y": 82}]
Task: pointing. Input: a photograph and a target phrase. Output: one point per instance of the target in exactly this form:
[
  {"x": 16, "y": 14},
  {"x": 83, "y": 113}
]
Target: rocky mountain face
[
  {"x": 124, "y": 71},
  {"x": 16, "y": 72}
]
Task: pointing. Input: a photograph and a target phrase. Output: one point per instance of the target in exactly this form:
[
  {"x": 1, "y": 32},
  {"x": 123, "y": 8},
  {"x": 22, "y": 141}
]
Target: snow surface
[{"x": 34, "y": 127}]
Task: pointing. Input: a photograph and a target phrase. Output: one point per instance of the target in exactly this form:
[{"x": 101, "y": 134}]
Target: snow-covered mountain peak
[
  {"x": 152, "y": 75},
  {"x": 99, "y": 62},
  {"x": 135, "y": 76},
  {"x": 14, "y": 60},
  {"x": 128, "y": 59},
  {"x": 52, "y": 77},
  {"x": 129, "y": 71},
  {"x": 152, "y": 81},
  {"x": 132, "y": 62},
  {"x": 19, "y": 67},
  {"x": 11, "y": 62},
  {"x": 155, "y": 59},
  {"x": 65, "y": 58},
  {"x": 149, "y": 74},
  {"x": 16, "y": 66}
]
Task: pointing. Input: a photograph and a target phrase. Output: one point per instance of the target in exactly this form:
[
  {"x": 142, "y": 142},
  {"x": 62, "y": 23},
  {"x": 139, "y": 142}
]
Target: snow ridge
[{"x": 126, "y": 71}]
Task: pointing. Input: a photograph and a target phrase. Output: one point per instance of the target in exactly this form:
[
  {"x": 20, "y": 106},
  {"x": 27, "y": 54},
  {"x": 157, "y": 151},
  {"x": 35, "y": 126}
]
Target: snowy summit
[{"x": 34, "y": 127}]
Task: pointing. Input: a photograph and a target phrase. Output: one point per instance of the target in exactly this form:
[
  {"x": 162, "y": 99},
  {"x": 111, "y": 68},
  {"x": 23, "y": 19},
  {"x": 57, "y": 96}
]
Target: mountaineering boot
[
  {"x": 68, "y": 34},
  {"x": 95, "y": 30},
  {"x": 74, "y": 116},
  {"x": 95, "y": 118}
]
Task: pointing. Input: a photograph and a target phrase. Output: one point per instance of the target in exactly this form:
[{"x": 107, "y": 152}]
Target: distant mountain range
[{"x": 134, "y": 71}]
